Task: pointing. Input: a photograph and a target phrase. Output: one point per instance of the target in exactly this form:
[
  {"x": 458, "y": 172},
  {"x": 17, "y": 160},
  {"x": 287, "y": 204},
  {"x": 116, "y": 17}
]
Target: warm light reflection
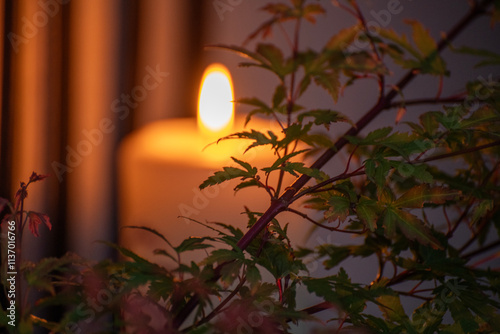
[{"x": 215, "y": 106}]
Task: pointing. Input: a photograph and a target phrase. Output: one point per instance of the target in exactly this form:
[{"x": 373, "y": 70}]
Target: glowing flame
[{"x": 215, "y": 106}]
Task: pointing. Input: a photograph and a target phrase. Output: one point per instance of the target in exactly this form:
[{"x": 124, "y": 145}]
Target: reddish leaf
[
  {"x": 21, "y": 194},
  {"x": 400, "y": 114},
  {"x": 37, "y": 177},
  {"x": 35, "y": 219}
]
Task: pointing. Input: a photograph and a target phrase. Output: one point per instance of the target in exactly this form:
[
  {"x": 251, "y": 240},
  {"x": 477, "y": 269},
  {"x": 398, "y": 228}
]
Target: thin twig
[{"x": 329, "y": 228}]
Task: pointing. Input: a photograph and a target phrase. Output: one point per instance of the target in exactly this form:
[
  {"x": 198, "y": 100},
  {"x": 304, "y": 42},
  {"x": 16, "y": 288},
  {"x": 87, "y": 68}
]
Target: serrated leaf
[
  {"x": 239, "y": 50},
  {"x": 484, "y": 115},
  {"x": 418, "y": 195},
  {"x": 401, "y": 41},
  {"x": 227, "y": 174},
  {"x": 253, "y": 275},
  {"x": 281, "y": 161},
  {"x": 491, "y": 58},
  {"x": 482, "y": 209},
  {"x": 150, "y": 230},
  {"x": 463, "y": 316},
  {"x": 336, "y": 254},
  {"x": 274, "y": 58},
  {"x": 330, "y": 81},
  {"x": 223, "y": 255},
  {"x": 411, "y": 226},
  {"x": 258, "y": 137},
  {"x": 343, "y": 38},
  {"x": 299, "y": 167},
  {"x": 324, "y": 117},
  {"x": 372, "y": 137},
  {"x": 422, "y": 38},
  {"x": 279, "y": 95},
  {"x": 310, "y": 11},
  {"x": 247, "y": 184},
  {"x": 339, "y": 208},
  {"x": 368, "y": 211},
  {"x": 193, "y": 243},
  {"x": 294, "y": 132},
  {"x": 392, "y": 308},
  {"x": 430, "y": 122},
  {"x": 251, "y": 170},
  {"x": 163, "y": 252}
]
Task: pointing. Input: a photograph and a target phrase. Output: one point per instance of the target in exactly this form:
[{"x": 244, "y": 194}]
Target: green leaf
[
  {"x": 253, "y": 275},
  {"x": 463, "y": 316},
  {"x": 262, "y": 107},
  {"x": 227, "y": 174},
  {"x": 392, "y": 308},
  {"x": 430, "y": 122},
  {"x": 343, "y": 38},
  {"x": 151, "y": 230},
  {"x": 247, "y": 184},
  {"x": 336, "y": 254},
  {"x": 294, "y": 132},
  {"x": 330, "y": 81},
  {"x": 274, "y": 58},
  {"x": 482, "y": 209},
  {"x": 491, "y": 58},
  {"x": 230, "y": 173},
  {"x": 223, "y": 255},
  {"x": 417, "y": 196},
  {"x": 339, "y": 208},
  {"x": 276, "y": 165},
  {"x": 239, "y": 50},
  {"x": 401, "y": 41},
  {"x": 368, "y": 211},
  {"x": 482, "y": 116},
  {"x": 193, "y": 243},
  {"x": 411, "y": 226},
  {"x": 372, "y": 138},
  {"x": 422, "y": 38},
  {"x": 298, "y": 167},
  {"x": 251, "y": 170},
  {"x": 324, "y": 117},
  {"x": 279, "y": 96},
  {"x": 258, "y": 137}
]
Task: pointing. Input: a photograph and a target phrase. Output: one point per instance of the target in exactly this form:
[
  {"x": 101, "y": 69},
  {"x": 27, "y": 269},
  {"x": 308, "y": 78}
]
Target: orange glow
[{"x": 215, "y": 106}]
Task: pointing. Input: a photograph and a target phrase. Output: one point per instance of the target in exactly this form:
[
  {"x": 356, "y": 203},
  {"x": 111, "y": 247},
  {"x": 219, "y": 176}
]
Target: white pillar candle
[{"x": 161, "y": 168}]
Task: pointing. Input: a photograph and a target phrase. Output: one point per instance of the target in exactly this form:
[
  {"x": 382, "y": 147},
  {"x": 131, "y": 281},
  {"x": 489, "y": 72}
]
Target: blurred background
[{"x": 80, "y": 76}]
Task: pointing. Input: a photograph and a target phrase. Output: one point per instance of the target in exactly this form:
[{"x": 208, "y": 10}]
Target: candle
[{"x": 163, "y": 164}]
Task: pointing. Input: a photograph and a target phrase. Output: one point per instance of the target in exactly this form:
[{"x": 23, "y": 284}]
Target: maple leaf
[
  {"x": 21, "y": 194},
  {"x": 35, "y": 219},
  {"x": 37, "y": 177}
]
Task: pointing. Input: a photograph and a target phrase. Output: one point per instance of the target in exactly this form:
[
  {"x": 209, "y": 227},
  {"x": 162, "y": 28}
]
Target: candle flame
[{"x": 215, "y": 102}]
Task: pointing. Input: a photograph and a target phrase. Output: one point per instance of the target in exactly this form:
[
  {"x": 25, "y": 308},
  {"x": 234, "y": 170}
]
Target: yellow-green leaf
[{"x": 417, "y": 196}]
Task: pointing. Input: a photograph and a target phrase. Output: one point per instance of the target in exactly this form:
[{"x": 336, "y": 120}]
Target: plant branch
[
  {"x": 481, "y": 250},
  {"x": 281, "y": 204},
  {"x": 329, "y": 228},
  {"x": 219, "y": 307},
  {"x": 461, "y": 152},
  {"x": 450, "y": 99}
]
